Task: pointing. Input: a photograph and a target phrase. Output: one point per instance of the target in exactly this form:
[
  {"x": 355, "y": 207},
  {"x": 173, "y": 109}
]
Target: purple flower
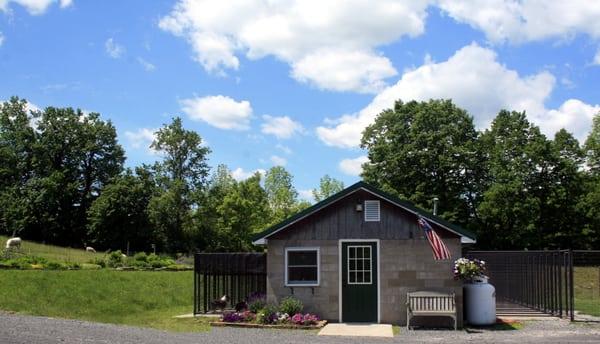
[{"x": 232, "y": 317}]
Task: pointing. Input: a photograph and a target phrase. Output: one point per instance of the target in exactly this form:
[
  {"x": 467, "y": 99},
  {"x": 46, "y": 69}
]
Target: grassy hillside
[
  {"x": 146, "y": 299},
  {"x": 587, "y": 290},
  {"x": 56, "y": 253}
]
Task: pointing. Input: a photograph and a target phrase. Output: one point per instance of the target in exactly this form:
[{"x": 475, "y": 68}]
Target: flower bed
[
  {"x": 318, "y": 325},
  {"x": 257, "y": 313}
]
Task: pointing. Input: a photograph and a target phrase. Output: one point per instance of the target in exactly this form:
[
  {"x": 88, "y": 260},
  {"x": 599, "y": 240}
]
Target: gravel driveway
[{"x": 20, "y": 329}]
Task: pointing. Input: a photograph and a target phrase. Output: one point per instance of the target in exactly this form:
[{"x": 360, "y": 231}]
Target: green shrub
[
  {"x": 74, "y": 266},
  {"x": 256, "y": 303},
  {"x": 115, "y": 259},
  {"x": 55, "y": 266},
  {"x": 140, "y": 257},
  {"x": 291, "y": 305},
  {"x": 98, "y": 261},
  {"x": 267, "y": 315}
]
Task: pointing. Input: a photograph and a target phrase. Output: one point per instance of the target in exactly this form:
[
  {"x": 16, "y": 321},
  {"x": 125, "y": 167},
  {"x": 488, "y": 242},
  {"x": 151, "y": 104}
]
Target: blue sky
[{"x": 295, "y": 82}]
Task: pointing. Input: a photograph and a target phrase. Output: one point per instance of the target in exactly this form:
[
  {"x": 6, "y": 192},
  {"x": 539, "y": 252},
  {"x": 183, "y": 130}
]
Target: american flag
[{"x": 440, "y": 251}]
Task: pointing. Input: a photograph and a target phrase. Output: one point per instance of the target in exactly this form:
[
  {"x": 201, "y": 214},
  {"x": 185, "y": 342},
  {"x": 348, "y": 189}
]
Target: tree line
[
  {"x": 510, "y": 184},
  {"x": 63, "y": 181}
]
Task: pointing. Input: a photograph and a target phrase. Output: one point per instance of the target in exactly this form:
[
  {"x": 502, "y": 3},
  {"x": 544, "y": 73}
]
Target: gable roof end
[{"x": 466, "y": 236}]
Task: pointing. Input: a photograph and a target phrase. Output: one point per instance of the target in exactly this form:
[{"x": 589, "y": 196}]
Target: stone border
[{"x": 319, "y": 325}]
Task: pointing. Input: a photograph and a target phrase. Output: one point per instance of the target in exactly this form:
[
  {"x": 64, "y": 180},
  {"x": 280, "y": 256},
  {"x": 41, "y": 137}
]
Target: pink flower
[{"x": 298, "y": 319}]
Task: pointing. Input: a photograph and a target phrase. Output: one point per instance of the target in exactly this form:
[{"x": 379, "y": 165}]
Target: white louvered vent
[{"x": 371, "y": 211}]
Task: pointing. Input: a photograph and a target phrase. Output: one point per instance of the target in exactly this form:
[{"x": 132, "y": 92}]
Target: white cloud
[
  {"x": 344, "y": 70},
  {"x": 306, "y": 195},
  {"x": 113, "y": 49},
  {"x": 309, "y": 35},
  {"x": 353, "y": 167},
  {"x": 287, "y": 150},
  {"x": 34, "y": 7},
  {"x": 597, "y": 58},
  {"x": 1, "y": 38},
  {"x": 528, "y": 20},
  {"x": 472, "y": 78},
  {"x": 278, "y": 161},
  {"x": 281, "y": 127},
  {"x": 148, "y": 67},
  {"x": 219, "y": 111},
  {"x": 241, "y": 174},
  {"x": 142, "y": 138},
  {"x": 65, "y": 3},
  {"x": 574, "y": 115}
]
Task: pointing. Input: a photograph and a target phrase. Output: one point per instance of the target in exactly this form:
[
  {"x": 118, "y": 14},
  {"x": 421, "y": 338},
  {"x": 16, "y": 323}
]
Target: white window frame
[
  {"x": 292, "y": 249},
  {"x": 363, "y": 269},
  {"x": 378, "y": 210}
]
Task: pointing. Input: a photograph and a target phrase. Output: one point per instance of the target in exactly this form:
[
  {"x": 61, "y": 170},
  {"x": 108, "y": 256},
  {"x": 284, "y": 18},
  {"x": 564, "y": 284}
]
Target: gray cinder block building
[{"x": 354, "y": 256}]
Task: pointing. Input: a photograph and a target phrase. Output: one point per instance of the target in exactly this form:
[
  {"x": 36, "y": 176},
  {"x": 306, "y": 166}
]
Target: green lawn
[
  {"x": 138, "y": 298},
  {"x": 55, "y": 253},
  {"x": 587, "y": 290}
]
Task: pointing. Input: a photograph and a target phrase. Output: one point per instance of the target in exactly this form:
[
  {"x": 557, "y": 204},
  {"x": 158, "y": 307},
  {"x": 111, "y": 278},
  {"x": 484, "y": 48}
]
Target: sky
[{"x": 294, "y": 83}]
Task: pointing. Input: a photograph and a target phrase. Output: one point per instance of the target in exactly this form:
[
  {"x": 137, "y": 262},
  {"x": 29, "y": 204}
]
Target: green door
[{"x": 359, "y": 281}]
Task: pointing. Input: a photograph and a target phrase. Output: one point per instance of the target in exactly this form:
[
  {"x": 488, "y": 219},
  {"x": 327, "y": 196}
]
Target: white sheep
[
  {"x": 90, "y": 249},
  {"x": 13, "y": 243}
]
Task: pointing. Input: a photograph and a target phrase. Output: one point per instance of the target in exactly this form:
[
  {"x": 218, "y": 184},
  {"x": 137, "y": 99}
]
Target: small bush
[
  {"x": 267, "y": 315},
  {"x": 98, "y": 261},
  {"x": 115, "y": 259},
  {"x": 54, "y": 266},
  {"x": 256, "y": 302},
  {"x": 291, "y": 305},
  {"x": 141, "y": 257}
]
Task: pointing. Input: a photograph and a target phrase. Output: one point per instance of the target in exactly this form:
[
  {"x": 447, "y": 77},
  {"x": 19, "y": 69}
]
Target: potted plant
[
  {"x": 470, "y": 271},
  {"x": 479, "y": 295}
]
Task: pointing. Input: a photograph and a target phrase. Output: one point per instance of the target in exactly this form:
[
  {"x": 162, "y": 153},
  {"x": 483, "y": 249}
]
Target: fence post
[{"x": 571, "y": 285}]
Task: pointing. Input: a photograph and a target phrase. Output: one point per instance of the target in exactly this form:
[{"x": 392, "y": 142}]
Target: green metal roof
[{"x": 362, "y": 185}]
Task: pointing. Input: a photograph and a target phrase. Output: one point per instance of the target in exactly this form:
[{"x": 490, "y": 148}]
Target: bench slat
[{"x": 423, "y": 303}]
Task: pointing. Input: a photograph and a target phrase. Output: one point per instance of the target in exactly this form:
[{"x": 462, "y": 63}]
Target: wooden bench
[{"x": 430, "y": 303}]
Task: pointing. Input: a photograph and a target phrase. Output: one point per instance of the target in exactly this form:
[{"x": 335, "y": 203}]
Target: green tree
[
  {"x": 69, "y": 157},
  {"x": 422, "y": 150},
  {"x": 518, "y": 176},
  {"x": 281, "y": 194},
  {"x": 118, "y": 218},
  {"x": 17, "y": 144},
  {"x": 207, "y": 219},
  {"x": 243, "y": 212},
  {"x": 181, "y": 175},
  {"x": 327, "y": 187},
  {"x": 592, "y": 146}
]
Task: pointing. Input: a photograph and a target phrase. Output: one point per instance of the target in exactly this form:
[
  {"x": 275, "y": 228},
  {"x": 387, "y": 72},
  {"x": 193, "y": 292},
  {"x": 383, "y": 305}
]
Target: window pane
[
  {"x": 359, "y": 252},
  {"x": 359, "y": 265},
  {"x": 359, "y": 277},
  {"x": 367, "y": 253},
  {"x": 352, "y": 277},
  {"x": 352, "y": 264},
  {"x": 302, "y": 275},
  {"x": 367, "y": 277},
  {"x": 302, "y": 258},
  {"x": 351, "y": 252}
]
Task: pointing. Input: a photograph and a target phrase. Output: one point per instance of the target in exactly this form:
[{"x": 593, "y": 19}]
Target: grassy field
[
  {"x": 146, "y": 299},
  {"x": 587, "y": 290},
  {"x": 56, "y": 253}
]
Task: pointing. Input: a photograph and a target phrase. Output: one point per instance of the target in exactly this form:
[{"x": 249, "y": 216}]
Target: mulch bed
[{"x": 319, "y": 325}]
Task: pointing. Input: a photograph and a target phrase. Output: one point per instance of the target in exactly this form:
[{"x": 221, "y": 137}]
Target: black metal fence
[
  {"x": 236, "y": 275},
  {"x": 542, "y": 280}
]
